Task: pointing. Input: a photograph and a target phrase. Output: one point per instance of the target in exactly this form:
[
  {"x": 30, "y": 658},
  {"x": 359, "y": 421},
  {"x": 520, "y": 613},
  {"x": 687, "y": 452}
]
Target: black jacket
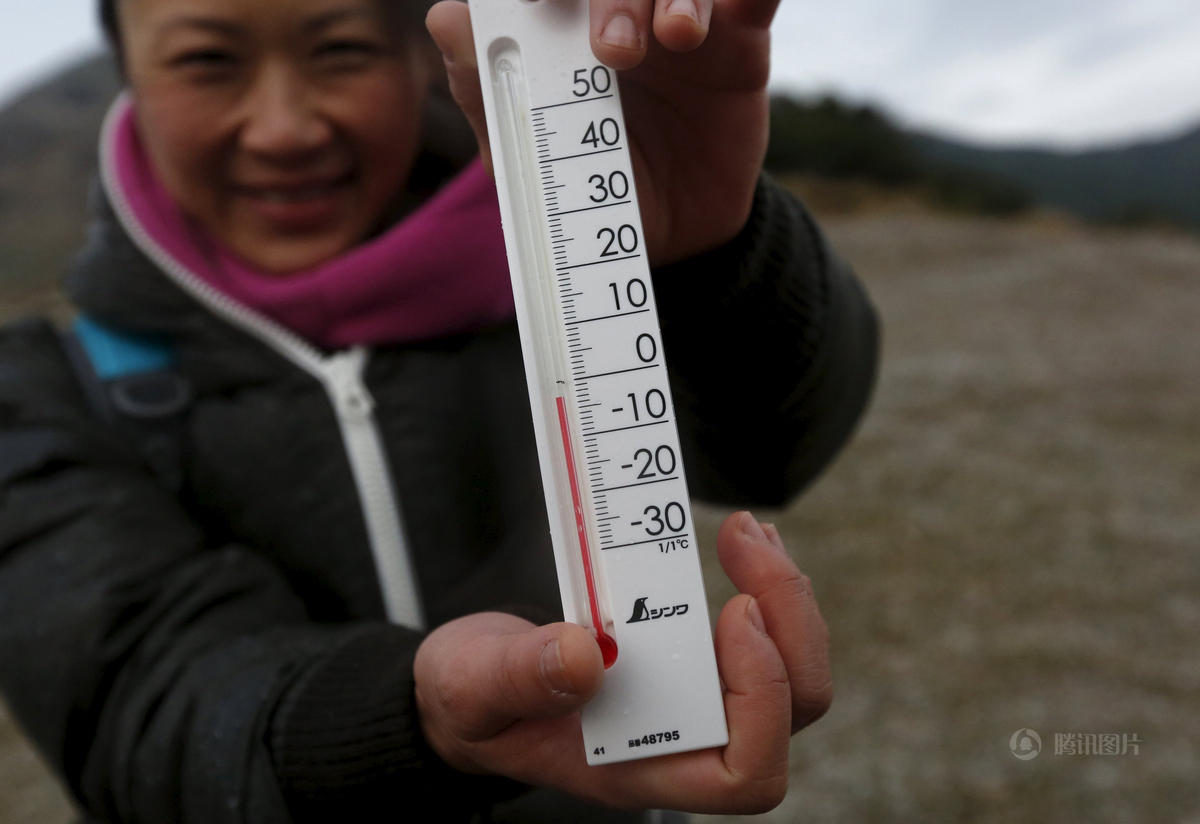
[{"x": 220, "y": 654}]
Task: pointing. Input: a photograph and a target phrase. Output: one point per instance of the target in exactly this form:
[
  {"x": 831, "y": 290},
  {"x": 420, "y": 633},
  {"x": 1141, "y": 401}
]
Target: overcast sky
[{"x": 1065, "y": 72}]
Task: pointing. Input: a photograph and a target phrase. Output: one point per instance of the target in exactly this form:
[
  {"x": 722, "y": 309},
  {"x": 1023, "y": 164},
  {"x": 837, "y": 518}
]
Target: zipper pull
[{"x": 343, "y": 375}]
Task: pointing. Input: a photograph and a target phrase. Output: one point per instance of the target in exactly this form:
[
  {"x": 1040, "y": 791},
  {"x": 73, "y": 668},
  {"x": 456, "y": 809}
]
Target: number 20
[{"x": 624, "y": 239}]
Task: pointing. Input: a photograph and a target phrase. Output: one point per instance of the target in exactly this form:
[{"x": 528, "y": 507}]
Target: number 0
[{"x": 647, "y": 348}]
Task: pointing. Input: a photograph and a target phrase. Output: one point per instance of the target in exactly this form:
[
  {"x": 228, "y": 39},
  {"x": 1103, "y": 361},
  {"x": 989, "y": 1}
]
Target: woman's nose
[{"x": 281, "y": 120}]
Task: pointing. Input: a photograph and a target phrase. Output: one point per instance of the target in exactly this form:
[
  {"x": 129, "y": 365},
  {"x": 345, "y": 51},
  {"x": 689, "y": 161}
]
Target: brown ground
[{"x": 1009, "y": 542}]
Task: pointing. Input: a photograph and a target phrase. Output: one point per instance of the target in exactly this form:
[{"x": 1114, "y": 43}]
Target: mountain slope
[
  {"x": 1141, "y": 182},
  {"x": 47, "y": 161},
  {"x": 1144, "y": 181}
]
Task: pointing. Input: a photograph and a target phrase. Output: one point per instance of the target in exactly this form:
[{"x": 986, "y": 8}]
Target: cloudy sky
[{"x": 1063, "y": 72}]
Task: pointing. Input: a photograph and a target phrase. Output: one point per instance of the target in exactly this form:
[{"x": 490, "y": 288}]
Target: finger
[
  {"x": 749, "y": 775},
  {"x": 682, "y": 25},
  {"x": 755, "y": 13},
  {"x": 449, "y": 24},
  {"x": 757, "y": 705},
  {"x": 619, "y": 31},
  {"x": 491, "y": 679},
  {"x": 760, "y": 567}
]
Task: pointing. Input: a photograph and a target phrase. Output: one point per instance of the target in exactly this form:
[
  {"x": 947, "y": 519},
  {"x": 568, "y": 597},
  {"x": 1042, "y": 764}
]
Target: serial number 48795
[{"x": 654, "y": 738}]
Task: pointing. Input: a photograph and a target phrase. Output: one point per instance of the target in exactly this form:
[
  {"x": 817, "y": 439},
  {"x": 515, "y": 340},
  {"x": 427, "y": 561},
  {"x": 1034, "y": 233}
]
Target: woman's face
[{"x": 286, "y": 128}]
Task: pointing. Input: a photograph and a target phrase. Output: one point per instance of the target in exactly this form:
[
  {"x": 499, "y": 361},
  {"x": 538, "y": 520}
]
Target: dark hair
[{"x": 108, "y": 23}]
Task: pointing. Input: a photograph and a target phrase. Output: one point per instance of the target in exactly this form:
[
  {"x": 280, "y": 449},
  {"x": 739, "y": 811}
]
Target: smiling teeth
[{"x": 292, "y": 195}]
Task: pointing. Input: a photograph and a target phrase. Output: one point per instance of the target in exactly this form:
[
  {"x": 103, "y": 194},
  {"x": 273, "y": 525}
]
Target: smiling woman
[
  {"x": 275, "y": 598},
  {"x": 286, "y": 130}
]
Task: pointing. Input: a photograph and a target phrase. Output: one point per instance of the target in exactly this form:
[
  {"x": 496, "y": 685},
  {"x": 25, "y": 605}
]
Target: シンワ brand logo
[{"x": 642, "y": 613}]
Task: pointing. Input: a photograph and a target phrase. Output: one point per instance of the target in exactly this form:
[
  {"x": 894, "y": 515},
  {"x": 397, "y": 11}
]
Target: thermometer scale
[{"x": 620, "y": 520}]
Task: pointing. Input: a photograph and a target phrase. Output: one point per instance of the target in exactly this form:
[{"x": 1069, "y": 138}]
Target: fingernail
[
  {"x": 773, "y": 535},
  {"x": 684, "y": 8},
  {"x": 752, "y": 529},
  {"x": 755, "y": 615},
  {"x": 551, "y": 665},
  {"x": 621, "y": 32}
]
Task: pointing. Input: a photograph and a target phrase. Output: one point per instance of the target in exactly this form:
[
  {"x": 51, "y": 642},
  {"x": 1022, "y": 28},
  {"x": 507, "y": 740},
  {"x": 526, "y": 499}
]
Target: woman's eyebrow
[
  {"x": 329, "y": 18},
  {"x": 212, "y": 24}
]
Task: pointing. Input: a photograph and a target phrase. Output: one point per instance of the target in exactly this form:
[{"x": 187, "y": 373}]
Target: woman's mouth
[{"x": 297, "y": 205}]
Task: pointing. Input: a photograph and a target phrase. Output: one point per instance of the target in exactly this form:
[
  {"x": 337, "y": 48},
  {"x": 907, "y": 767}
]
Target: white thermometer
[{"x": 620, "y": 518}]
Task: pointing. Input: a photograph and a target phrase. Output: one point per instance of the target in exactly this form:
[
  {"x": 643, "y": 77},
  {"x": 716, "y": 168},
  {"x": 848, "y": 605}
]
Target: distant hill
[
  {"x": 47, "y": 160},
  {"x": 832, "y": 139},
  {"x": 1147, "y": 182},
  {"x": 1156, "y": 181}
]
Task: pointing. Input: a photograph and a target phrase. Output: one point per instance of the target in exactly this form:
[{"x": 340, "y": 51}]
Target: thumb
[
  {"x": 449, "y": 24},
  {"x": 478, "y": 675}
]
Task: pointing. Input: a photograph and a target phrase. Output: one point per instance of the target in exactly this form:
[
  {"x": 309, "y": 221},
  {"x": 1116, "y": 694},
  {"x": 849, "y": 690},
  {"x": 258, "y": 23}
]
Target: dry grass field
[
  {"x": 1013, "y": 539},
  {"x": 1010, "y": 542}
]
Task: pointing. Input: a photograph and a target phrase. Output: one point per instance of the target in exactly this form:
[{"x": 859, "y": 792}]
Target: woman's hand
[
  {"x": 498, "y": 695},
  {"x": 693, "y": 84}
]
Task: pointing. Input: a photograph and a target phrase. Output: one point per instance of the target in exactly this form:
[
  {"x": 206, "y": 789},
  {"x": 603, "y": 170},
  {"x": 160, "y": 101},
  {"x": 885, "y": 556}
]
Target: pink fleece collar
[{"x": 439, "y": 271}]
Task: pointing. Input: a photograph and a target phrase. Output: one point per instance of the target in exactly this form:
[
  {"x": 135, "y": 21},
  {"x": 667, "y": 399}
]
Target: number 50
[{"x": 596, "y": 79}]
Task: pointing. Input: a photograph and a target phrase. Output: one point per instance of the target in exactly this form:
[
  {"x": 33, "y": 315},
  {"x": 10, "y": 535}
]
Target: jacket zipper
[
  {"x": 341, "y": 375},
  {"x": 343, "y": 382}
]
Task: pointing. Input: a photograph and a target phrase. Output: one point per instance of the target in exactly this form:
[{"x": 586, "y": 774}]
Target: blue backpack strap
[
  {"x": 115, "y": 353},
  {"x": 131, "y": 380}
]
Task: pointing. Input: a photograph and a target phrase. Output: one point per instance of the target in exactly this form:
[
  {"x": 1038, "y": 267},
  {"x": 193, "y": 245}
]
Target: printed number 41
[{"x": 598, "y": 751}]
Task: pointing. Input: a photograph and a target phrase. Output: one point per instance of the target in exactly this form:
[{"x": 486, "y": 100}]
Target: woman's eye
[
  {"x": 347, "y": 51},
  {"x": 204, "y": 59}
]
